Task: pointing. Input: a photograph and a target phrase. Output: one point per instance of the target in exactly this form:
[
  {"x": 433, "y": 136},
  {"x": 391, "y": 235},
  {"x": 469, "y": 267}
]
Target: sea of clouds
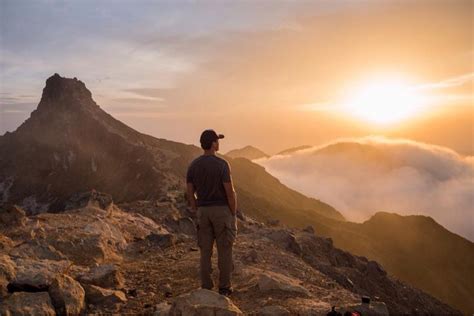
[{"x": 393, "y": 175}]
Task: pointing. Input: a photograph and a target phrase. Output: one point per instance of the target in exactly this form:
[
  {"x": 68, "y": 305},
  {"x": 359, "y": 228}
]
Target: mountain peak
[{"x": 61, "y": 92}]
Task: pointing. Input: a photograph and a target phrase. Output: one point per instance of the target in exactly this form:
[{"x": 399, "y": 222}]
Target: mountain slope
[
  {"x": 401, "y": 243},
  {"x": 293, "y": 149},
  {"x": 248, "y": 152},
  {"x": 73, "y": 145}
]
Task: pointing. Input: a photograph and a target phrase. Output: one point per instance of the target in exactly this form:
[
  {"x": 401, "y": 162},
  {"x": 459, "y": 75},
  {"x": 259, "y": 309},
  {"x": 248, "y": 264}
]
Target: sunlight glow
[{"x": 384, "y": 102}]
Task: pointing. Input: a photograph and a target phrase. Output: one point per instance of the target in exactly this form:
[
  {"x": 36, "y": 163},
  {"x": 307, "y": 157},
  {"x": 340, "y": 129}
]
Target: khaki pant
[{"x": 216, "y": 222}]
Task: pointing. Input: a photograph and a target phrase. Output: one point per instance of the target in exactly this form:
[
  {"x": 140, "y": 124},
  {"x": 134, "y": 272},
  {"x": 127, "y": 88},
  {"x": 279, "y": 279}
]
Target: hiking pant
[{"x": 217, "y": 223}]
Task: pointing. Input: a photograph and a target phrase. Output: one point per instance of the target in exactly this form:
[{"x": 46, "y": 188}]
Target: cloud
[{"x": 365, "y": 175}]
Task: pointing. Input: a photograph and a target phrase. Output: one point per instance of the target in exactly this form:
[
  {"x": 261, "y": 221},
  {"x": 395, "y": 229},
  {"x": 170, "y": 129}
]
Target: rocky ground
[{"x": 142, "y": 257}]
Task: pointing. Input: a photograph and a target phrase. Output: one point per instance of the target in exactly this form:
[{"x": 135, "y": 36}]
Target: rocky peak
[{"x": 65, "y": 93}]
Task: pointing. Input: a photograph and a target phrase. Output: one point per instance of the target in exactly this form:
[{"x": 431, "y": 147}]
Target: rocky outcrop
[
  {"x": 97, "y": 295},
  {"x": 89, "y": 198},
  {"x": 272, "y": 281},
  {"x": 106, "y": 276},
  {"x": 12, "y": 215},
  {"x": 67, "y": 295},
  {"x": 26, "y": 304},
  {"x": 203, "y": 302},
  {"x": 36, "y": 275}
]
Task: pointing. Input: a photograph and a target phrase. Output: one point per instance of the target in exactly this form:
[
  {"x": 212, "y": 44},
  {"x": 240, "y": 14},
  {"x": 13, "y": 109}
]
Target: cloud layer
[{"x": 362, "y": 176}]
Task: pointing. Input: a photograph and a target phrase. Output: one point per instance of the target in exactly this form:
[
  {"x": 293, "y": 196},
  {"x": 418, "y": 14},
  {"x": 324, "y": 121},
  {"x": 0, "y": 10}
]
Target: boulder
[
  {"x": 285, "y": 239},
  {"x": 67, "y": 295},
  {"x": 37, "y": 249},
  {"x": 25, "y": 303},
  {"x": 309, "y": 229},
  {"x": 273, "y": 310},
  {"x": 12, "y": 215},
  {"x": 97, "y": 295},
  {"x": 7, "y": 273},
  {"x": 370, "y": 309},
  {"x": 162, "y": 309},
  {"x": 5, "y": 243},
  {"x": 203, "y": 302},
  {"x": 89, "y": 198},
  {"x": 162, "y": 240},
  {"x": 106, "y": 276},
  {"x": 186, "y": 226},
  {"x": 270, "y": 280},
  {"x": 36, "y": 275}
]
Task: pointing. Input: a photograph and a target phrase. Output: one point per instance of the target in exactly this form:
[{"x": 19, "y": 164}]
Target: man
[{"x": 210, "y": 178}]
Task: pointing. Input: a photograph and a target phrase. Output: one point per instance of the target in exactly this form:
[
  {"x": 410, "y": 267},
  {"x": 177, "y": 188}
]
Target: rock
[
  {"x": 100, "y": 296},
  {"x": 5, "y": 243},
  {"x": 203, "y": 302},
  {"x": 251, "y": 256},
  {"x": 162, "y": 240},
  {"x": 37, "y": 249},
  {"x": 89, "y": 198},
  {"x": 36, "y": 275},
  {"x": 7, "y": 273},
  {"x": 273, "y": 222},
  {"x": 372, "y": 309},
  {"x": 286, "y": 239},
  {"x": 24, "y": 303},
  {"x": 309, "y": 229},
  {"x": 375, "y": 269},
  {"x": 186, "y": 226},
  {"x": 12, "y": 215},
  {"x": 273, "y": 310},
  {"x": 162, "y": 309},
  {"x": 269, "y": 280},
  {"x": 166, "y": 290},
  {"x": 67, "y": 295},
  {"x": 106, "y": 276}
]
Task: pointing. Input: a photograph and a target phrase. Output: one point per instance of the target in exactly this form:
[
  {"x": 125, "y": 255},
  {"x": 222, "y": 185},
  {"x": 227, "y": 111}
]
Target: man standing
[{"x": 210, "y": 178}]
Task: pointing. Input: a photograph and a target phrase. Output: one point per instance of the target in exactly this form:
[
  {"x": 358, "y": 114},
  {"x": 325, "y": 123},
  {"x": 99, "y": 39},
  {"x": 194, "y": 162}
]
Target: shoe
[{"x": 226, "y": 291}]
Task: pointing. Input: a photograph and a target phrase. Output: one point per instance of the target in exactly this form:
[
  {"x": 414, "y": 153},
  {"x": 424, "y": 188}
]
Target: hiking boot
[{"x": 226, "y": 291}]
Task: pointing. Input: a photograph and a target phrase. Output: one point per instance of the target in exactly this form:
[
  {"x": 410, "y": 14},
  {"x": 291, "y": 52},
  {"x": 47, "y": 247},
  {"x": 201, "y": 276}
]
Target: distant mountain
[
  {"x": 248, "y": 152},
  {"x": 70, "y": 144},
  {"x": 419, "y": 251},
  {"x": 293, "y": 149}
]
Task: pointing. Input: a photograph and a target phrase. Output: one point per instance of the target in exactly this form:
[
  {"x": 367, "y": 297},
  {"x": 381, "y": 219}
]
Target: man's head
[{"x": 210, "y": 140}]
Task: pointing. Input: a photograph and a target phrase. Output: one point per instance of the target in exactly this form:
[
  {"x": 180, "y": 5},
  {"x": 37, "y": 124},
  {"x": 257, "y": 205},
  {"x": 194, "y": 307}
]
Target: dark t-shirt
[{"x": 207, "y": 173}]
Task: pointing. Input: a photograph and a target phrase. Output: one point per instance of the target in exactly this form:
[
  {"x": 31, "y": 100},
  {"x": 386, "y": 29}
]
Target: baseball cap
[{"x": 209, "y": 135}]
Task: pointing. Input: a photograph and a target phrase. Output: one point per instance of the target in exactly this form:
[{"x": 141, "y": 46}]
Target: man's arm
[
  {"x": 231, "y": 197},
  {"x": 191, "y": 198},
  {"x": 229, "y": 189},
  {"x": 190, "y": 189}
]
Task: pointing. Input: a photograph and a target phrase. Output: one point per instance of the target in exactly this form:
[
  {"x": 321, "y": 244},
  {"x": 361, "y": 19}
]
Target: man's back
[{"x": 208, "y": 173}]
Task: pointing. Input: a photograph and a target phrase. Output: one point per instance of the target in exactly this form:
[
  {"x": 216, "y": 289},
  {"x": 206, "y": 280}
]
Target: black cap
[{"x": 209, "y": 136}]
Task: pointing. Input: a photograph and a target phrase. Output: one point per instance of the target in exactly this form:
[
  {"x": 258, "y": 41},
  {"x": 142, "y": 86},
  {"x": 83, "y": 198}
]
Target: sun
[{"x": 384, "y": 102}]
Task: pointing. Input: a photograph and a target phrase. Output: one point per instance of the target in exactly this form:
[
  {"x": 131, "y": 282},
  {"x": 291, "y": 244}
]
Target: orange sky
[{"x": 249, "y": 72}]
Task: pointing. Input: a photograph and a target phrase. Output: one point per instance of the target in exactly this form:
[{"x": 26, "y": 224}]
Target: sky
[{"x": 272, "y": 74}]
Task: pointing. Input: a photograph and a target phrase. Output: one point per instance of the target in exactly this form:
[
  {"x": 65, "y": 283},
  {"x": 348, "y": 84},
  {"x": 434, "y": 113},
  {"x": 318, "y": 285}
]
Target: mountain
[
  {"x": 69, "y": 144},
  {"x": 248, "y": 152},
  {"x": 293, "y": 149}
]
